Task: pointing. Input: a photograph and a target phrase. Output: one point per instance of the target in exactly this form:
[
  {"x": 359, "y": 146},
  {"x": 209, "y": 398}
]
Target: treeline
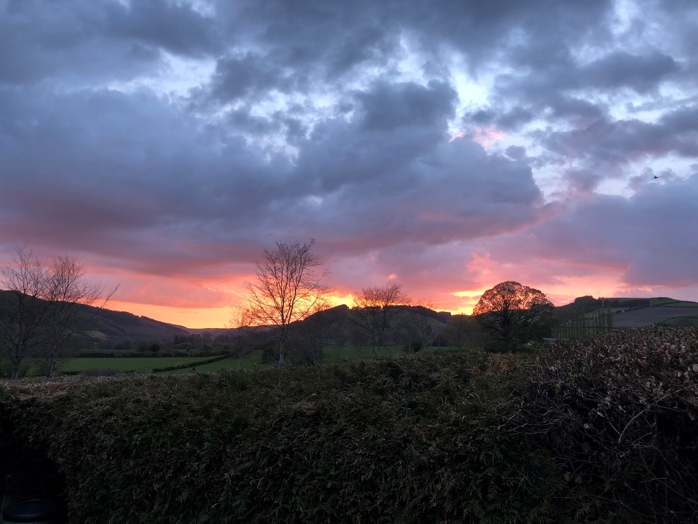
[{"x": 286, "y": 315}]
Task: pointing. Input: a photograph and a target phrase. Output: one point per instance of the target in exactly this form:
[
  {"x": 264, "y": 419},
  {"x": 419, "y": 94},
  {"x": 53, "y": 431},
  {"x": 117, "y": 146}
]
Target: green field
[
  {"x": 250, "y": 362},
  {"x": 142, "y": 365},
  {"x": 681, "y": 322},
  {"x": 661, "y": 301},
  {"x": 678, "y": 304},
  {"x": 332, "y": 355}
]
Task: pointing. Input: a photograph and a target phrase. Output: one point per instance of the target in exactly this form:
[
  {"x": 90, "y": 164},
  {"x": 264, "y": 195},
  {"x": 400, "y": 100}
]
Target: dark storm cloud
[
  {"x": 93, "y": 170},
  {"x": 297, "y": 45},
  {"x": 126, "y": 166},
  {"x": 558, "y": 86},
  {"x": 239, "y": 76},
  {"x": 390, "y": 106},
  {"x": 174, "y": 27},
  {"x": 624, "y": 140},
  {"x": 612, "y": 71},
  {"x": 330, "y": 120},
  {"x": 85, "y": 40},
  {"x": 621, "y": 69}
]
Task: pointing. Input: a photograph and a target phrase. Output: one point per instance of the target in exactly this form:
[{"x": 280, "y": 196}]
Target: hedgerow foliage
[
  {"x": 409, "y": 440},
  {"x": 599, "y": 431},
  {"x": 620, "y": 413}
]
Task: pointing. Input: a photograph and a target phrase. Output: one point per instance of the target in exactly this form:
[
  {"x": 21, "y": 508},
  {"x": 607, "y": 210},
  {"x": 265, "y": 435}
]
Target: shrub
[
  {"x": 409, "y": 440},
  {"x": 270, "y": 352},
  {"x": 597, "y": 431},
  {"x": 620, "y": 412}
]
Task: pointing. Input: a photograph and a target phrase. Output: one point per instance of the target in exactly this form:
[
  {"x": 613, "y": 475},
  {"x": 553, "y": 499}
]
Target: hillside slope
[
  {"x": 110, "y": 328},
  {"x": 631, "y": 312}
]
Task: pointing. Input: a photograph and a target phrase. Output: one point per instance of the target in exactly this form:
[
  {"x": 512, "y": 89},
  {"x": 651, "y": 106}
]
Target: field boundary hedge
[
  {"x": 193, "y": 364},
  {"x": 150, "y": 354}
]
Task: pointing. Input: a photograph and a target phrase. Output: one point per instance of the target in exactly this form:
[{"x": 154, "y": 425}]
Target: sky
[{"x": 444, "y": 145}]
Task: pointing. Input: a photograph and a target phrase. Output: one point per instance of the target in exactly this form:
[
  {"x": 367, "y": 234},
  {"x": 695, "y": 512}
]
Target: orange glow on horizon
[
  {"x": 462, "y": 301},
  {"x": 195, "y": 318},
  {"x": 199, "y": 318}
]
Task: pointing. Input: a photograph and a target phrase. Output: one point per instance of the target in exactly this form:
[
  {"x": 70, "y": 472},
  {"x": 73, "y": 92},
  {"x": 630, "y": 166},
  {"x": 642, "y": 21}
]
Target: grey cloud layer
[{"x": 312, "y": 125}]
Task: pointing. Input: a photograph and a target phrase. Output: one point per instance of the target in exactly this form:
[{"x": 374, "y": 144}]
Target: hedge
[
  {"x": 149, "y": 354},
  {"x": 193, "y": 364},
  {"x": 424, "y": 438}
]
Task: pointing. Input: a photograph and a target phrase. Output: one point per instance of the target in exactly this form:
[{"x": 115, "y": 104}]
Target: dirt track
[{"x": 651, "y": 315}]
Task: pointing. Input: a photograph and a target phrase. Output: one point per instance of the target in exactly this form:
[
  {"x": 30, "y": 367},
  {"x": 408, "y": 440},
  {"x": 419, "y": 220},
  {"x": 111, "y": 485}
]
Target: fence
[{"x": 585, "y": 324}]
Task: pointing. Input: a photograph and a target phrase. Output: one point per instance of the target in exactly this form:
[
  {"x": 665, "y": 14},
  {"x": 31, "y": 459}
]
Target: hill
[
  {"x": 108, "y": 328},
  {"x": 634, "y": 312}
]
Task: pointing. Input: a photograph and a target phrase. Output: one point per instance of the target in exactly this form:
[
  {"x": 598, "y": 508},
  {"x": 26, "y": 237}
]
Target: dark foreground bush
[
  {"x": 620, "y": 413},
  {"x": 456, "y": 438},
  {"x": 410, "y": 440}
]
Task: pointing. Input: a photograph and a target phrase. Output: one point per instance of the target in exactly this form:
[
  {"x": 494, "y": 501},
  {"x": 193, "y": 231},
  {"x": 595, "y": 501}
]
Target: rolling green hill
[{"x": 634, "y": 312}]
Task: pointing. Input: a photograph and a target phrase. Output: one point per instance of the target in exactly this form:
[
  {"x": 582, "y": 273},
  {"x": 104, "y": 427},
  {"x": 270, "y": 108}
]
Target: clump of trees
[
  {"x": 42, "y": 313},
  {"x": 288, "y": 299}
]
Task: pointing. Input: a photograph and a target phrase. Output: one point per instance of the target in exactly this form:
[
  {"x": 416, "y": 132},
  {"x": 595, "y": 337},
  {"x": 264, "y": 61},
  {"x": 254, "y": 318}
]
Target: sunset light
[
  {"x": 348, "y": 261},
  {"x": 441, "y": 149}
]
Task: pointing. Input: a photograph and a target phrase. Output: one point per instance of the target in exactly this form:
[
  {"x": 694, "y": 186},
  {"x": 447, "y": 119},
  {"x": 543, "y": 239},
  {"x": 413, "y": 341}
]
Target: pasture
[
  {"x": 651, "y": 315},
  {"x": 130, "y": 362},
  {"x": 331, "y": 355},
  {"x": 141, "y": 365}
]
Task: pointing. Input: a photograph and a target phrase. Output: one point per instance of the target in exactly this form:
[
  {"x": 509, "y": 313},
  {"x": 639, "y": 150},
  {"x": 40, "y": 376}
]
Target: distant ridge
[
  {"x": 112, "y": 328},
  {"x": 635, "y": 312}
]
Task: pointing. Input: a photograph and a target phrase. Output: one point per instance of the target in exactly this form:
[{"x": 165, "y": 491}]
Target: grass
[
  {"x": 250, "y": 362},
  {"x": 677, "y": 303},
  {"x": 681, "y": 322},
  {"x": 142, "y": 365},
  {"x": 661, "y": 301},
  {"x": 253, "y": 361},
  {"x": 332, "y": 355},
  {"x": 670, "y": 302}
]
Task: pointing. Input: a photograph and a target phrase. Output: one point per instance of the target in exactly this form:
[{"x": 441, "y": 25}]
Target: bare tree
[
  {"x": 423, "y": 327},
  {"x": 374, "y": 311},
  {"x": 44, "y": 310},
  {"x": 24, "y": 314},
  {"x": 241, "y": 333},
  {"x": 67, "y": 290},
  {"x": 287, "y": 287}
]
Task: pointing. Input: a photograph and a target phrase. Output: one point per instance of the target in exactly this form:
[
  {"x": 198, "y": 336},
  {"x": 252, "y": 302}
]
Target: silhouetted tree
[
  {"x": 513, "y": 313},
  {"x": 374, "y": 312},
  {"x": 67, "y": 291},
  {"x": 43, "y": 311},
  {"x": 241, "y": 335},
  {"x": 287, "y": 287},
  {"x": 422, "y": 327}
]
